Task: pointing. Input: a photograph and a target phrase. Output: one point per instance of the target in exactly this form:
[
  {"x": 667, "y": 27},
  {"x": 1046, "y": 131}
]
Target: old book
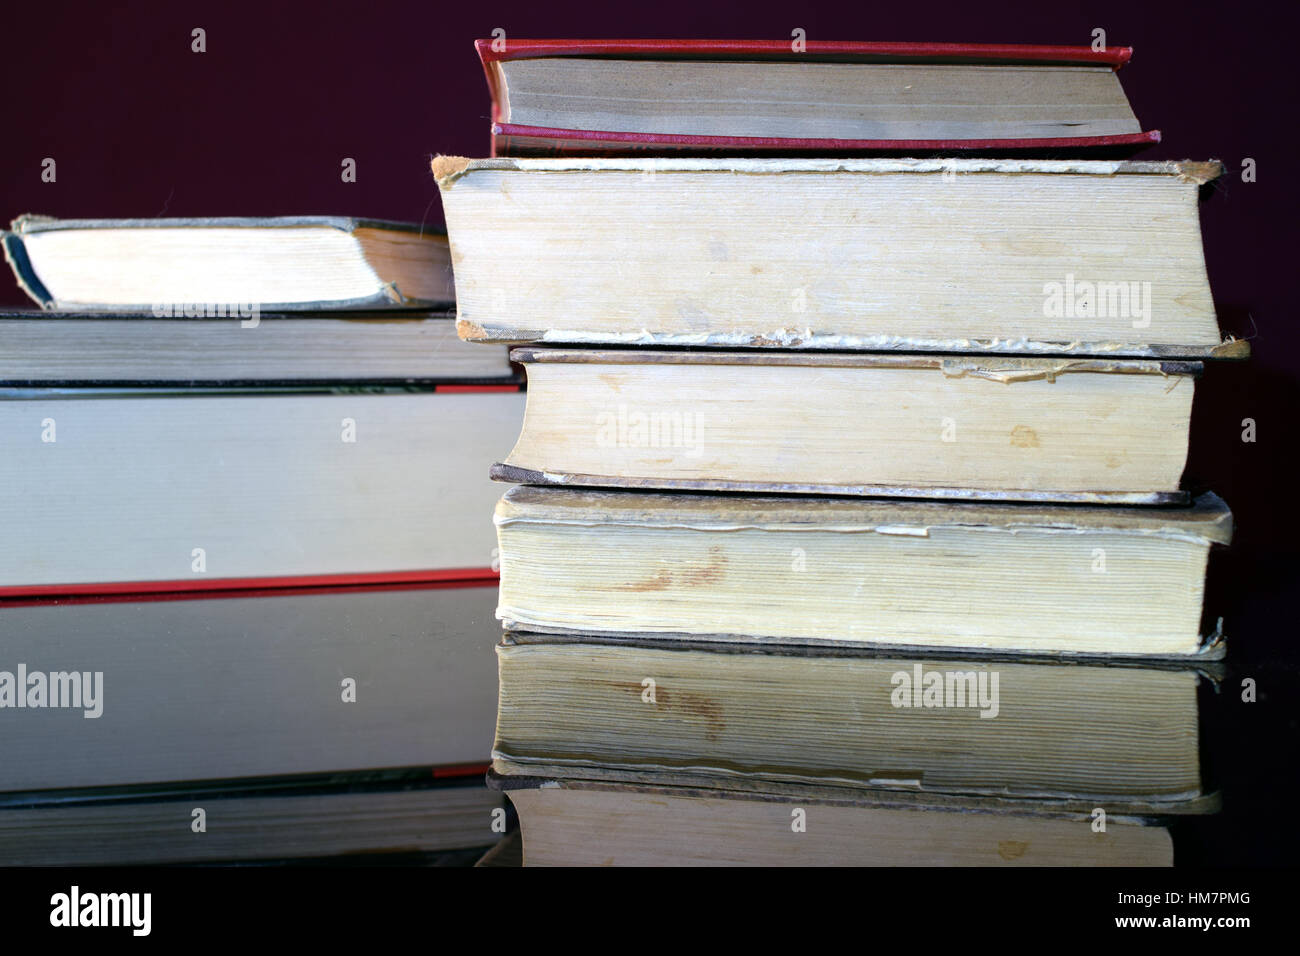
[
  {"x": 204, "y": 268},
  {"x": 1122, "y": 737},
  {"x": 993, "y": 577},
  {"x": 926, "y": 426},
  {"x": 149, "y": 689},
  {"x": 568, "y": 822},
  {"x": 949, "y": 255},
  {"x": 411, "y": 815},
  {"x": 130, "y": 491},
  {"x": 86, "y": 349},
  {"x": 610, "y": 96}
]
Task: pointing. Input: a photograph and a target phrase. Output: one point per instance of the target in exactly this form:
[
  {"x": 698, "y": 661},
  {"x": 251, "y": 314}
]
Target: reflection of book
[
  {"x": 234, "y": 685},
  {"x": 181, "y": 266},
  {"x": 419, "y": 815},
  {"x": 583, "y": 823},
  {"x": 812, "y": 96},
  {"x": 846, "y": 572},
  {"x": 1125, "y": 736}
]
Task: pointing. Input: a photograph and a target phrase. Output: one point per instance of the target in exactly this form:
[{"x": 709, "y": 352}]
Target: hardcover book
[
  {"x": 828, "y": 98},
  {"x": 197, "y": 268},
  {"x": 758, "y": 571},
  {"x": 375, "y": 348},
  {"x": 131, "y": 491},
  {"x": 1068, "y": 429},
  {"x": 1035, "y": 257}
]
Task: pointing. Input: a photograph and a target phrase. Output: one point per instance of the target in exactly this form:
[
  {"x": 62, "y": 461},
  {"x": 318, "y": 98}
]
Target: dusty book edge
[
  {"x": 1005, "y": 369},
  {"x": 1207, "y": 519},
  {"x": 516, "y": 474},
  {"x": 29, "y": 223},
  {"x": 504, "y": 776},
  {"x": 812, "y": 340},
  {"x": 509, "y": 773},
  {"x": 1192, "y": 172},
  {"x": 1206, "y": 660}
]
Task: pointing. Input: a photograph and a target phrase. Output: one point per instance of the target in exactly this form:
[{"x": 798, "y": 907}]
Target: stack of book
[
  {"x": 247, "y": 573},
  {"x": 850, "y": 525}
]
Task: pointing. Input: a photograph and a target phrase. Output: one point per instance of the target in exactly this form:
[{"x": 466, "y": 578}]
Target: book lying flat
[
  {"x": 1084, "y": 430},
  {"x": 206, "y": 267},
  {"x": 1124, "y": 736},
  {"x": 568, "y": 822},
  {"x": 958, "y": 255},
  {"x": 244, "y": 821},
  {"x": 144, "y": 490},
  {"x": 840, "y": 572},
  {"x": 281, "y": 348},
  {"x": 156, "y": 689},
  {"x": 713, "y": 96}
]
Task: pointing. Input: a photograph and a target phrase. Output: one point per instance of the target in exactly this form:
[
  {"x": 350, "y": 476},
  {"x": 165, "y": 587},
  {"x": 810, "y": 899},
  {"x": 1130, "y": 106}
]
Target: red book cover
[
  {"x": 510, "y": 139},
  {"x": 131, "y": 591}
]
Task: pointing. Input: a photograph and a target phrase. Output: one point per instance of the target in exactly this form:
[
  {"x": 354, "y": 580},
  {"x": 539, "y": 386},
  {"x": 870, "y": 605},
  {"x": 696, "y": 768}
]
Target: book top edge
[
  {"x": 1204, "y": 663},
  {"x": 448, "y": 169},
  {"x": 1138, "y": 812},
  {"x": 998, "y": 368},
  {"x": 810, "y": 341},
  {"x": 30, "y": 223}
]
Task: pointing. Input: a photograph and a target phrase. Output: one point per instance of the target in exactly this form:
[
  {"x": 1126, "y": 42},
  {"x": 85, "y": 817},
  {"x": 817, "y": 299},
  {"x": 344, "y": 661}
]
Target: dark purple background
[{"x": 141, "y": 126}]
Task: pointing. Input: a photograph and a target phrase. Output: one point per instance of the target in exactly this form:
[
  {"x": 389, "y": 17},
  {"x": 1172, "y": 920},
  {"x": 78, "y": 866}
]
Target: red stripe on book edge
[
  {"x": 486, "y": 59},
  {"x": 478, "y": 388},
  {"x": 1114, "y": 57},
  {"x": 117, "y": 592},
  {"x": 461, "y": 770},
  {"x": 559, "y": 137}
]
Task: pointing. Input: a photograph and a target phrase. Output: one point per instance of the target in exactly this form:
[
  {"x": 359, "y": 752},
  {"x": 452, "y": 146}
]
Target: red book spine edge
[
  {"x": 461, "y": 770},
  {"x": 477, "y": 389},
  {"x": 190, "y": 589},
  {"x": 1114, "y": 57}
]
